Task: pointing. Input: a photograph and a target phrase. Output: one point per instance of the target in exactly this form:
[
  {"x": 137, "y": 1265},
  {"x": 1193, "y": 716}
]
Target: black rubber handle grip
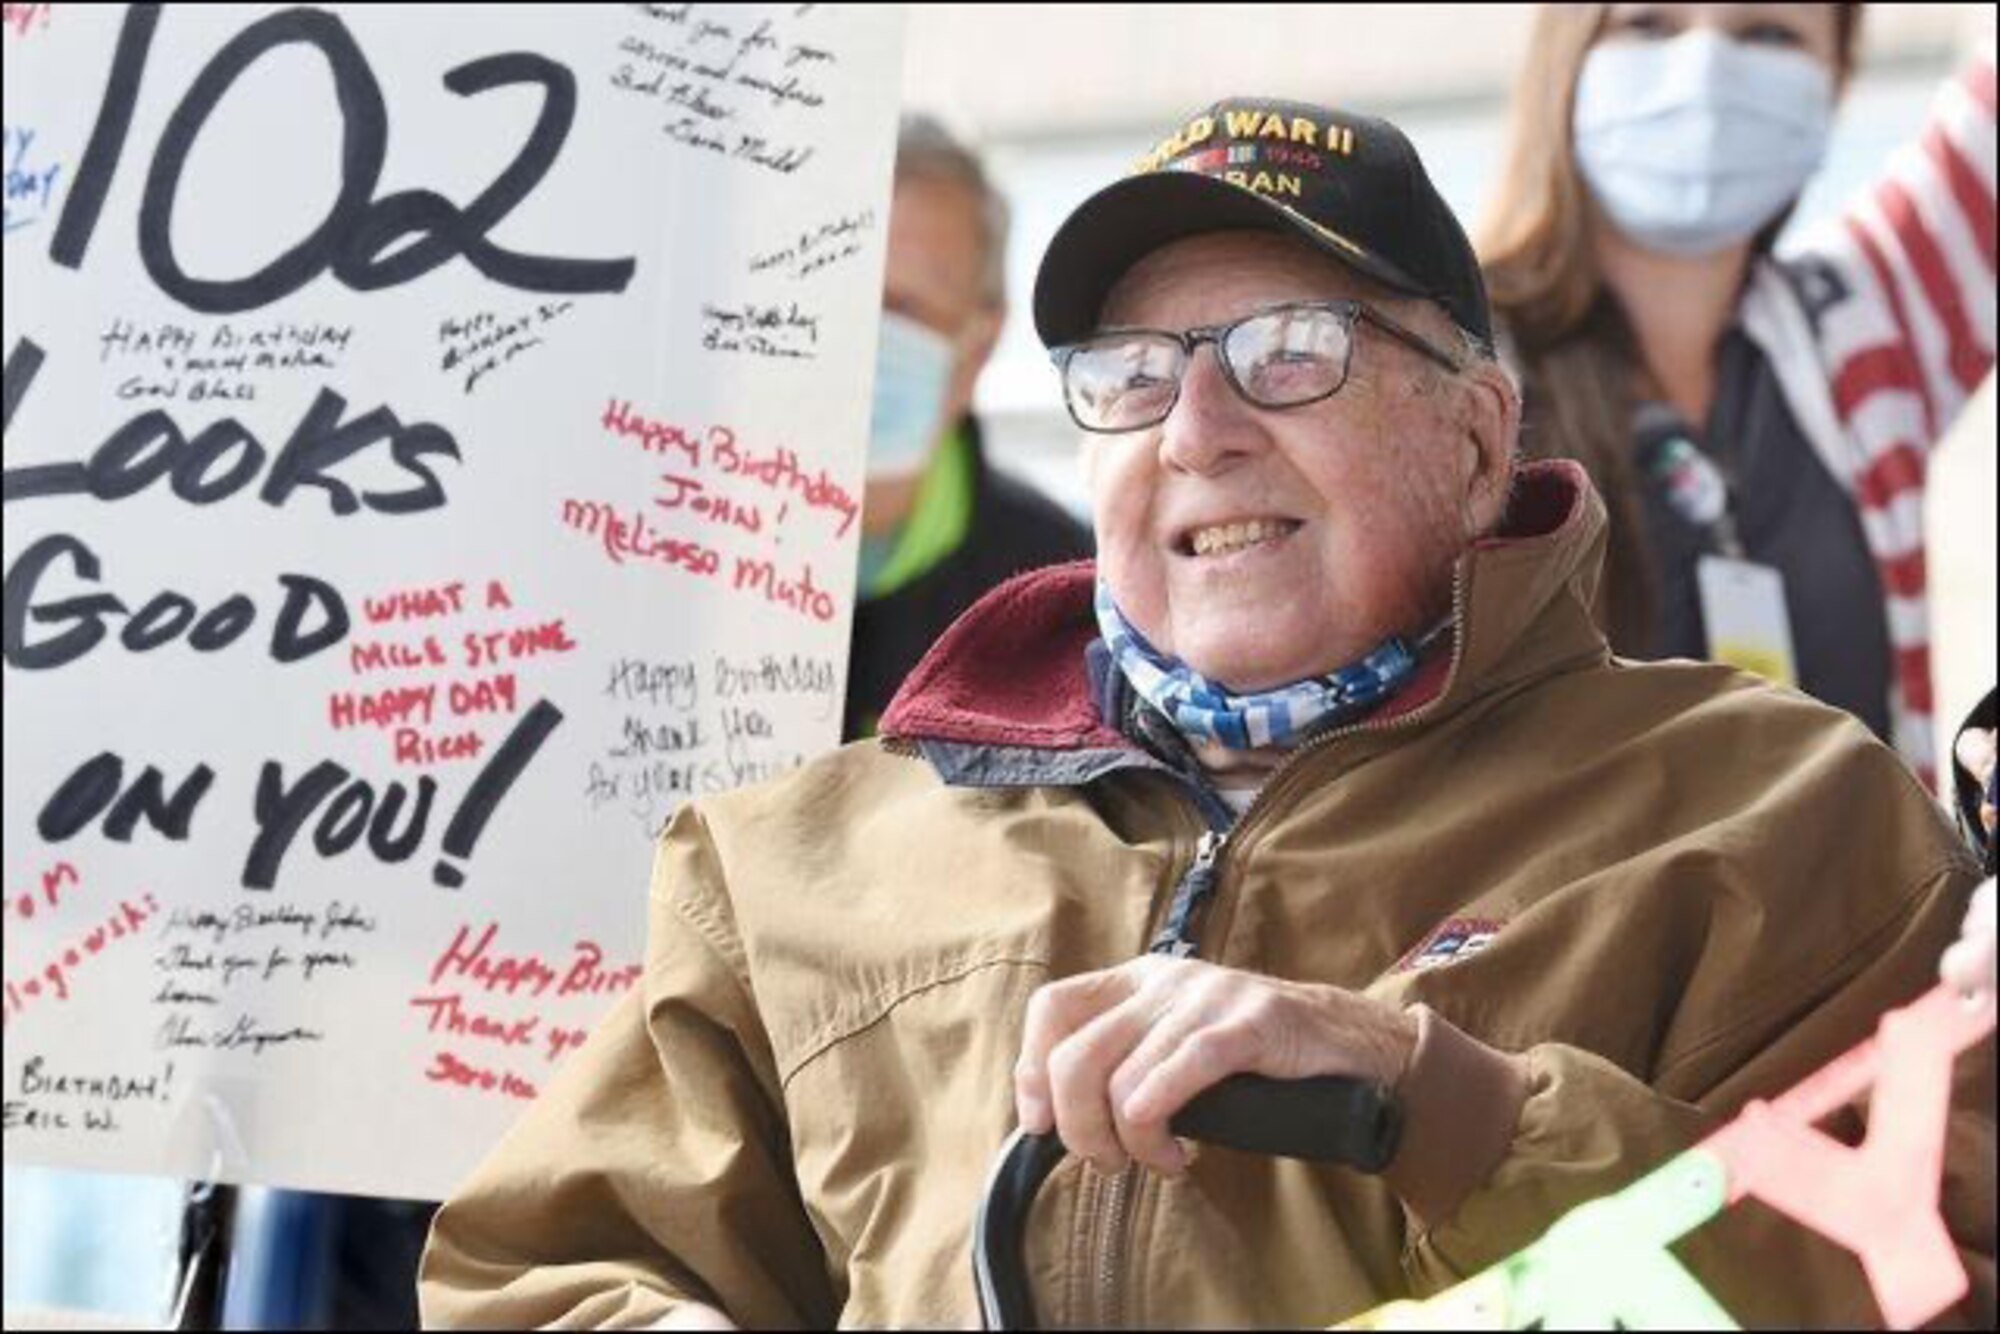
[{"x": 1324, "y": 1119}]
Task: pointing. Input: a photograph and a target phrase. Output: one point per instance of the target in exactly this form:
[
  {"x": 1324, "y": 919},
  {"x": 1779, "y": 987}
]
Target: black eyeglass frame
[{"x": 1350, "y": 311}]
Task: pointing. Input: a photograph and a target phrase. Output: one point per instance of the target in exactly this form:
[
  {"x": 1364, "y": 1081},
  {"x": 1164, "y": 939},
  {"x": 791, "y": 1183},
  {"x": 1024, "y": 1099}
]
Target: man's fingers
[
  {"x": 1055, "y": 1012},
  {"x": 1207, "y": 1057},
  {"x": 1079, "y": 1075},
  {"x": 1149, "y": 1140},
  {"x": 1108, "y": 1058}
]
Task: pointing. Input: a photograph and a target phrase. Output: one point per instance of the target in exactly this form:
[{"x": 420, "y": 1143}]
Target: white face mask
[
  {"x": 1691, "y": 145},
  {"x": 913, "y": 367}
]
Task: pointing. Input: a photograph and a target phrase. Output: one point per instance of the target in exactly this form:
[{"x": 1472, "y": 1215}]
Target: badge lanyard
[{"x": 1742, "y": 601}]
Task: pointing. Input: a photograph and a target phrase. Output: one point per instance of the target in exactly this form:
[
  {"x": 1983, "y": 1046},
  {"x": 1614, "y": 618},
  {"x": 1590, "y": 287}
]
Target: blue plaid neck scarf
[{"x": 1205, "y": 711}]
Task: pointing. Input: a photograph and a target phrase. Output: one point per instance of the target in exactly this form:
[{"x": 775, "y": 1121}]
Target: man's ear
[
  {"x": 1492, "y": 435},
  {"x": 981, "y": 336},
  {"x": 975, "y": 348}
]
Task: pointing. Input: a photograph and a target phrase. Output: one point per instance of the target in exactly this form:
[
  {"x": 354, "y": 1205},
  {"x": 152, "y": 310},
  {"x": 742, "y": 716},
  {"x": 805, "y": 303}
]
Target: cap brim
[{"x": 1126, "y": 221}]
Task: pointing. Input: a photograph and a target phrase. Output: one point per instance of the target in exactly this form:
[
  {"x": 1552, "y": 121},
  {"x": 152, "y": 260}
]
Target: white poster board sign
[{"x": 433, "y": 450}]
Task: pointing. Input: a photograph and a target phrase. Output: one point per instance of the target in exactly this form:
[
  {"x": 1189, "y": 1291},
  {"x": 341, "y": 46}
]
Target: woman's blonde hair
[{"x": 1575, "y": 350}]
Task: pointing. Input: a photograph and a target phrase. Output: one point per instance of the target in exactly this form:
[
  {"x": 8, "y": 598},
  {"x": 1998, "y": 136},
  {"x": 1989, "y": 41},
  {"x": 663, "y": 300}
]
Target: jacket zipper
[
  {"x": 1177, "y": 937},
  {"x": 1111, "y": 1256},
  {"x": 1412, "y": 718}
]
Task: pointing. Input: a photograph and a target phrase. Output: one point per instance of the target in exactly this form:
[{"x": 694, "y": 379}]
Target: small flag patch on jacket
[{"x": 1459, "y": 938}]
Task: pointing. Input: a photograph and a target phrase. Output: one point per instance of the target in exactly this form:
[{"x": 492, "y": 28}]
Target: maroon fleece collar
[{"x": 1011, "y": 670}]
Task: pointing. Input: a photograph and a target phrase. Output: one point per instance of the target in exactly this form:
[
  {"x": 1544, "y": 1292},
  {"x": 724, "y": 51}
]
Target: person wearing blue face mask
[
  {"x": 1756, "y": 422},
  {"x": 939, "y": 526}
]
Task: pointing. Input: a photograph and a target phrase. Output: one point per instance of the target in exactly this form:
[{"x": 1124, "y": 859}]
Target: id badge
[{"x": 1743, "y": 608}]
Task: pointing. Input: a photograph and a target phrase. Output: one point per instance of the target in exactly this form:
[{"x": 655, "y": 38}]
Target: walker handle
[{"x": 1323, "y": 1119}]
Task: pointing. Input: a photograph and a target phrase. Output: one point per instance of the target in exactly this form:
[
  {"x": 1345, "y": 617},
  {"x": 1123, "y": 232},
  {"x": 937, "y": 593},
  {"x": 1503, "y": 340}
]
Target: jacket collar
[{"x": 1012, "y": 670}]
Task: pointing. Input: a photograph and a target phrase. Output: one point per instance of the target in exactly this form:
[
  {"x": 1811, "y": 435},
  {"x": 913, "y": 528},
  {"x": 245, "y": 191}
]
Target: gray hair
[
  {"x": 926, "y": 149},
  {"x": 1473, "y": 351}
]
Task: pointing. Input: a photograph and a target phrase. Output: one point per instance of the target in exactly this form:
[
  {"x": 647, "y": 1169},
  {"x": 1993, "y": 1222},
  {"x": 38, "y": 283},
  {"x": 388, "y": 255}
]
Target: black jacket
[{"x": 1013, "y": 528}]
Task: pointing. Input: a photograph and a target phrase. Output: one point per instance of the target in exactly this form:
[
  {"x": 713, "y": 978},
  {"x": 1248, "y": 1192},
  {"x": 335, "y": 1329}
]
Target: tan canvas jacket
[{"x": 1631, "y": 897}]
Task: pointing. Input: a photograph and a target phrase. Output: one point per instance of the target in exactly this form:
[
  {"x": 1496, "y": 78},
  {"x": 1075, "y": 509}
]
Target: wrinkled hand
[{"x": 1107, "y": 1057}]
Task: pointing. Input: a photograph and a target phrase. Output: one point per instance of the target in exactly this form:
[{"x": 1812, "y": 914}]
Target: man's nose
[{"x": 1211, "y": 425}]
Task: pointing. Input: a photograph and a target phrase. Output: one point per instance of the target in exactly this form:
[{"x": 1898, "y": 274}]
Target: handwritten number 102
[{"x": 357, "y": 239}]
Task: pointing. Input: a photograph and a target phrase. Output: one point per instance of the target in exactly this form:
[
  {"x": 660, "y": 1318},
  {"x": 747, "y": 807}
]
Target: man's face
[
  {"x": 1361, "y": 501},
  {"x": 934, "y": 273}
]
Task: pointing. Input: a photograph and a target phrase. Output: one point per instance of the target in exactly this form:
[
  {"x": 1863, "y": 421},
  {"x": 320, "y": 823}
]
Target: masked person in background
[
  {"x": 939, "y": 526},
  {"x": 1757, "y": 424}
]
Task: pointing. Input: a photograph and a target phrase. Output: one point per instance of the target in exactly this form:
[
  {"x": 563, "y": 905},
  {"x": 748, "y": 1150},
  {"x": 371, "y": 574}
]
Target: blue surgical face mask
[
  {"x": 913, "y": 368},
  {"x": 1691, "y": 145}
]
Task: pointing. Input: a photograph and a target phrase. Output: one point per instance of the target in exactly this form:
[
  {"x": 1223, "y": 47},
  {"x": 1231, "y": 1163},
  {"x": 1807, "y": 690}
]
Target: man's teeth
[{"x": 1236, "y": 536}]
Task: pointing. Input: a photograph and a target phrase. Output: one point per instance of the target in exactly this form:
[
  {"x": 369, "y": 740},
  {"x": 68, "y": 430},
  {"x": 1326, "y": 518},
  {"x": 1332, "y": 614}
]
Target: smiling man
[{"x": 1323, "y": 768}]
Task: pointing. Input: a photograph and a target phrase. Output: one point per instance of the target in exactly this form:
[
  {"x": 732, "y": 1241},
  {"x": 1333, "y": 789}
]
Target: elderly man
[{"x": 1323, "y": 770}]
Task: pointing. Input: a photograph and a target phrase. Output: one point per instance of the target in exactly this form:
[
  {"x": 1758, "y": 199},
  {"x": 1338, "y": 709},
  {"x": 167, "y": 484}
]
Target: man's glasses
[{"x": 1282, "y": 357}]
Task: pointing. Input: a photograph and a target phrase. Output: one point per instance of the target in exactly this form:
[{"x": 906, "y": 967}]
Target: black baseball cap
[{"x": 1351, "y": 186}]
